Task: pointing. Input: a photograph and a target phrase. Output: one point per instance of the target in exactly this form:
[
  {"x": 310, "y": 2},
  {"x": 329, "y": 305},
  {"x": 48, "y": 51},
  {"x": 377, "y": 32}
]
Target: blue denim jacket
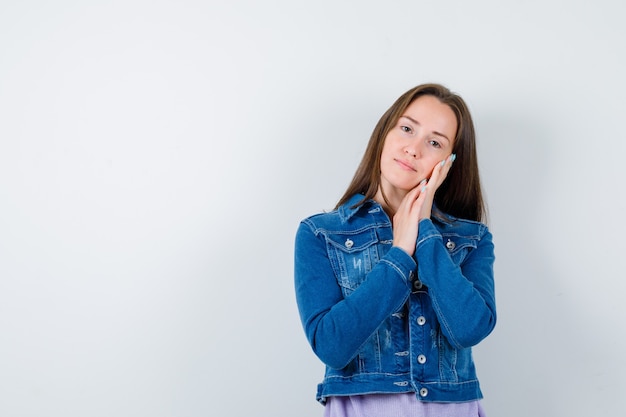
[{"x": 385, "y": 322}]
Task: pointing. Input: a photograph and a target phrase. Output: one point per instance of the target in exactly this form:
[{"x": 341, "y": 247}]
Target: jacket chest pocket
[
  {"x": 459, "y": 246},
  {"x": 352, "y": 257}
]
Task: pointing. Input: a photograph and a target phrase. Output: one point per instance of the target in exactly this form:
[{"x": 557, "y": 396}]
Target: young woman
[{"x": 395, "y": 285}]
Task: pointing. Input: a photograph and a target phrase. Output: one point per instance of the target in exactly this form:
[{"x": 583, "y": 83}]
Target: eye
[
  {"x": 434, "y": 143},
  {"x": 406, "y": 129}
]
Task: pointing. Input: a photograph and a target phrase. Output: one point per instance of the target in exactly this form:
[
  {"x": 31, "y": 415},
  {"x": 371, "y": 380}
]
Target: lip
[{"x": 405, "y": 165}]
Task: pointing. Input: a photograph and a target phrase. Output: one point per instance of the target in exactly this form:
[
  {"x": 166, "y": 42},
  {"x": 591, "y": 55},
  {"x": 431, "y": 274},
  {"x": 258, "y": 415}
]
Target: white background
[{"x": 157, "y": 156}]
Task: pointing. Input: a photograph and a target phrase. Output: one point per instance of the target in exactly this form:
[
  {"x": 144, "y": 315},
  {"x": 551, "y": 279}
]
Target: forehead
[{"x": 433, "y": 115}]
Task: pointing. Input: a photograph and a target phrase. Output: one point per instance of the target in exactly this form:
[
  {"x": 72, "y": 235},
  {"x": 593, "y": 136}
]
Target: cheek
[
  {"x": 387, "y": 153},
  {"x": 389, "y": 144},
  {"x": 430, "y": 165}
]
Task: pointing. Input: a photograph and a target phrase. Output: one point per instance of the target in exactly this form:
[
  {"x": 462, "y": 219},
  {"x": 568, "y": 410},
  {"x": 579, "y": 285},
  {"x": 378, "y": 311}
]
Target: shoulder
[
  {"x": 449, "y": 225},
  {"x": 324, "y": 220},
  {"x": 351, "y": 217}
]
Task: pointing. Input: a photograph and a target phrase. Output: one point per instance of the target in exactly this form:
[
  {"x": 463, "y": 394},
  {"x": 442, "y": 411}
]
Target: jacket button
[
  {"x": 421, "y": 359},
  {"x": 411, "y": 275},
  {"x": 417, "y": 284},
  {"x": 421, "y": 320},
  {"x": 423, "y": 392},
  {"x": 349, "y": 243},
  {"x": 450, "y": 245}
]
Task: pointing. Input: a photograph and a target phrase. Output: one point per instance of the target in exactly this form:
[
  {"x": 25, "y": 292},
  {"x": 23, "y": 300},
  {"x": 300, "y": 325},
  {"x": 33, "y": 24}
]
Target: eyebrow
[{"x": 418, "y": 123}]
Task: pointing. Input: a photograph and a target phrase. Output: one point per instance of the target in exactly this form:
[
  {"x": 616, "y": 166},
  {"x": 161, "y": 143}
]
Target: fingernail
[
  {"x": 423, "y": 189},
  {"x": 423, "y": 181},
  {"x": 443, "y": 162},
  {"x": 452, "y": 157}
]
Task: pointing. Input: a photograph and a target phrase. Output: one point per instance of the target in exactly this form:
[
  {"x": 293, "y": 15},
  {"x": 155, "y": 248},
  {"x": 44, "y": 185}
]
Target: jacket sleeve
[
  {"x": 463, "y": 297},
  {"x": 335, "y": 326}
]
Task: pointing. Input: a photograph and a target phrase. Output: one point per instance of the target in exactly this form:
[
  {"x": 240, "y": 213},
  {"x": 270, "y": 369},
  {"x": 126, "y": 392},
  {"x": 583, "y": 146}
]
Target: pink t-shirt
[{"x": 397, "y": 405}]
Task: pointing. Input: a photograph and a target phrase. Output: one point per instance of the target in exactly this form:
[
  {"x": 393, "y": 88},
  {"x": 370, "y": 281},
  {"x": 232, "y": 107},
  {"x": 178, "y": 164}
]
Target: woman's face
[{"x": 422, "y": 137}]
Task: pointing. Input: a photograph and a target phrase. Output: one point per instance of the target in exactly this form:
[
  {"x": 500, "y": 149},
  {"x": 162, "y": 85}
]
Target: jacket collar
[
  {"x": 353, "y": 206},
  {"x": 356, "y": 203}
]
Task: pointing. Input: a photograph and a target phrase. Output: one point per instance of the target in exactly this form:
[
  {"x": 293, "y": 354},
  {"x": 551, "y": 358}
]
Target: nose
[{"x": 411, "y": 150}]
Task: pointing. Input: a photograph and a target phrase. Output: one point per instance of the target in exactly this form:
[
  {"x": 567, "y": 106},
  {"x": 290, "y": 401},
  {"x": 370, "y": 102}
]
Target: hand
[
  {"x": 406, "y": 219},
  {"x": 417, "y": 205},
  {"x": 439, "y": 174}
]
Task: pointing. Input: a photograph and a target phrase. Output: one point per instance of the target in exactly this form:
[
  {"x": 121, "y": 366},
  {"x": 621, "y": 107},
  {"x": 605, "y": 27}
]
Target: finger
[
  {"x": 423, "y": 194},
  {"x": 407, "y": 205},
  {"x": 419, "y": 190},
  {"x": 414, "y": 193},
  {"x": 407, "y": 202},
  {"x": 440, "y": 171}
]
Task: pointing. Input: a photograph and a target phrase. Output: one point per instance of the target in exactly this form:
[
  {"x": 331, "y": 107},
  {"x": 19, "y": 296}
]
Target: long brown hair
[{"x": 460, "y": 195}]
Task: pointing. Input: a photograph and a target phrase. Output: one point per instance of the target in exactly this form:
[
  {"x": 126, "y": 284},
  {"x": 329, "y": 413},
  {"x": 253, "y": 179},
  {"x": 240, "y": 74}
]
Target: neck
[{"x": 390, "y": 203}]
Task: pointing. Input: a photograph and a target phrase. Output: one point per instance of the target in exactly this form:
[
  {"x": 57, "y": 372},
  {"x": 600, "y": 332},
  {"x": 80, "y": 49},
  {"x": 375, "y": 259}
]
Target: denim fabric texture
[{"x": 385, "y": 322}]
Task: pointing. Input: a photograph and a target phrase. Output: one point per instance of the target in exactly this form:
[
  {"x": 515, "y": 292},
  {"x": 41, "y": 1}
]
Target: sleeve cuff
[{"x": 404, "y": 264}]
